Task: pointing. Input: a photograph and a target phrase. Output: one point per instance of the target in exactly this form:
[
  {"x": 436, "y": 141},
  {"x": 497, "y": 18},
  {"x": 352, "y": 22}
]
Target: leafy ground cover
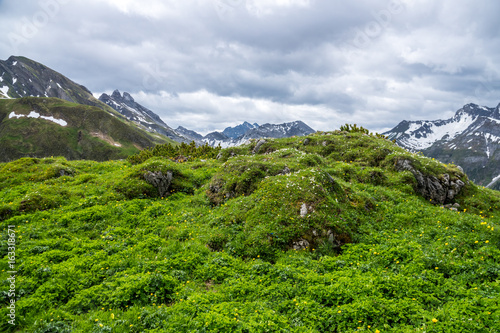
[{"x": 311, "y": 234}]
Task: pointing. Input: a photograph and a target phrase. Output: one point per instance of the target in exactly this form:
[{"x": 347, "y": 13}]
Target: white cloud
[
  {"x": 261, "y": 8},
  {"x": 154, "y": 9}
]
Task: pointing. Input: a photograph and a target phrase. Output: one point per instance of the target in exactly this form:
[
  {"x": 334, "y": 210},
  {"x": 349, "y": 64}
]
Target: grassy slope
[
  {"x": 99, "y": 251},
  {"x": 42, "y": 138}
]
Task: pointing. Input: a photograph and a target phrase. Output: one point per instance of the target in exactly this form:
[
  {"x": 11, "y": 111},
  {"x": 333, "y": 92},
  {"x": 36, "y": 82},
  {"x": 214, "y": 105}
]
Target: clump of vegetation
[
  {"x": 180, "y": 153},
  {"x": 354, "y": 129},
  {"x": 313, "y": 234}
]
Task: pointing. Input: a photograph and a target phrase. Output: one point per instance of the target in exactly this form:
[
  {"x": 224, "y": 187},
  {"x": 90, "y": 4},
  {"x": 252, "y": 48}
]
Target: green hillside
[
  {"x": 334, "y": 232},
  {"x": 88, "y": 132}
]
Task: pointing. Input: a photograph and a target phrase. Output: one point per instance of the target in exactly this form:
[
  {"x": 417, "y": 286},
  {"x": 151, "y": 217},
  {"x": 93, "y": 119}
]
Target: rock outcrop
[{"x": 439, "y": 190}]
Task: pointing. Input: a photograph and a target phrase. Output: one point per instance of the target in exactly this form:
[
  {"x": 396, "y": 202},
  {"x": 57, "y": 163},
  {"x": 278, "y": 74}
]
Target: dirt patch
[{"x": 106, "y": 138}]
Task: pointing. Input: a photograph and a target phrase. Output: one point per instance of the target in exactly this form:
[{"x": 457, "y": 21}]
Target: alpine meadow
[{"x": 339, "y": 231}]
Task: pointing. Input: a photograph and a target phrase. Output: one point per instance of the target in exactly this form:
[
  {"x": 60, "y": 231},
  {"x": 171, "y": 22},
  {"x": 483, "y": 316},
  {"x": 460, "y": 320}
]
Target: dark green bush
[{"x": 190, "y": 151}]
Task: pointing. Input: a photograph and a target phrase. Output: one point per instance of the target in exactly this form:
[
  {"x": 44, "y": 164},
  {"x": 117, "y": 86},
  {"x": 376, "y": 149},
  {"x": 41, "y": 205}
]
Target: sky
[{"x": 209, "y": 64}]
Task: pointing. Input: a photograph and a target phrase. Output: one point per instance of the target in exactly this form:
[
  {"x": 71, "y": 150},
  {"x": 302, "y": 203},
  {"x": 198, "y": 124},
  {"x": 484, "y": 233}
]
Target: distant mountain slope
[
  {"x": 140, "y": 115},
  {"x": 23, "y": 77},
  {"x": 285, "y": 130},
  {"x": 189, "y": 133},
  {"x": 471, "y": 139},
  {"x": 239, "y": 130},
  {"x": 42, "y": 127}
]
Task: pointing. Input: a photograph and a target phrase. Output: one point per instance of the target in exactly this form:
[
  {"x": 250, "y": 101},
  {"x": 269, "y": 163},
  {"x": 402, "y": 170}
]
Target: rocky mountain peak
[
  {"x": 474, "y": 110},
  {"x": 116, "y": 95},
  {"x": 127, "y": 97},
  {"x": 239, "y": 130},
  {"x": 142, "y": 116},
  {"x": 496, "y": 113}
]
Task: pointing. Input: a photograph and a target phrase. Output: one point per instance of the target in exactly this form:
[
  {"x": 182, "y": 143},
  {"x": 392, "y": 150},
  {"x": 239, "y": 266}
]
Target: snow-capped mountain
[
  {"x": 471, "y": 139},
  {"x": 142, "y": 116},
  {"x": 285, "y": 130},
  {"x": 296, "y": 128}
]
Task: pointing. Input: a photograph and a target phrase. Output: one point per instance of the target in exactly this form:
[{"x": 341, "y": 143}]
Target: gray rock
[
  {"x": 63, "y": 173},
  {"x": 258, "y": 146},
  {"x": 160, "y": 181},
  {"x": 331, "y": 237},
  {"x": 285, "y": 171},
  {"x": 303, "y": 210},
  {"x": 300, "y": 244},
  {"x": 439, "y": 190},
  {"x": 306, "y": 141}
]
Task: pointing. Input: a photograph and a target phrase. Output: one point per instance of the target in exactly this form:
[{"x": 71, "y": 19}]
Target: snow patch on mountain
[
  {"x": 425, "y": 134},
  {"x": 497, "y": 178},
  {"x": 4, "y": 90},
  {"x": 34, "y": 114}
]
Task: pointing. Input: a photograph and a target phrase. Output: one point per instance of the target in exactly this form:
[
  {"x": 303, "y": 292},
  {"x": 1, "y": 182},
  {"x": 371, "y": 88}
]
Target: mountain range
[
  {"x": 30, "y": 116},
  {"x": 229, "y": 137},
  {"x": 243, "y": 133},
  {"x": 470, "y": 139}
]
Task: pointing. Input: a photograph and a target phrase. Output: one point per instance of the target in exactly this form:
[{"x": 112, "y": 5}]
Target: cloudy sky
[{"x": 208, "y": 64}]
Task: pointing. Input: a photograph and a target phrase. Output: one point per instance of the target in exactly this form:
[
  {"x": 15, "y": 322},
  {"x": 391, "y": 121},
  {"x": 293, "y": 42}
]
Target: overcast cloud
[{"x": 208, "y": 64}]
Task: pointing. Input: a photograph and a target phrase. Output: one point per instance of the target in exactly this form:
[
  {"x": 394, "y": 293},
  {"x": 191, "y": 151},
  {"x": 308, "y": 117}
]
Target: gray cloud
[{"x": 207, "y": 64}]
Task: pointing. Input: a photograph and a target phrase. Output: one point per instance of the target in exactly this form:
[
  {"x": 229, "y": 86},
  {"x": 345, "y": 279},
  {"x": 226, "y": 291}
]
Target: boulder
[
  {"x": 160, "y": 181},
  {"x": 258, "y": 146}
]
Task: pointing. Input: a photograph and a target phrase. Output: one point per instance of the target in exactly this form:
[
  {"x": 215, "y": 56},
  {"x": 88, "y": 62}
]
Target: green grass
[{"x": 99, "y": 251}]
